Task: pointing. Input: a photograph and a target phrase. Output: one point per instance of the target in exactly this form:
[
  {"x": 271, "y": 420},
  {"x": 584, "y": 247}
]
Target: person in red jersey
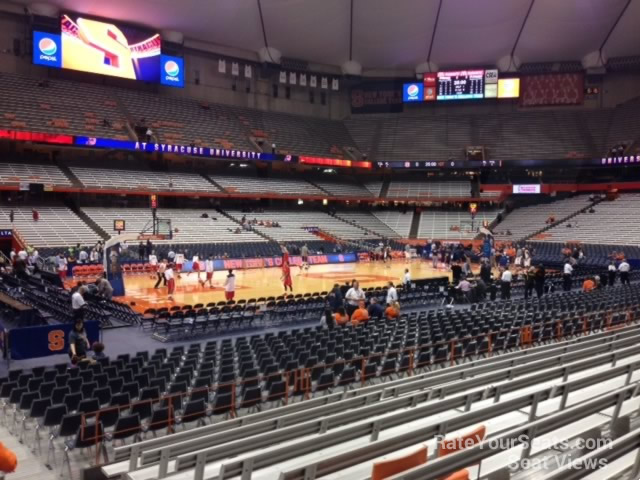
[
  {"x": 286, "y": 277},
  {"x": 285, "y": 255}
]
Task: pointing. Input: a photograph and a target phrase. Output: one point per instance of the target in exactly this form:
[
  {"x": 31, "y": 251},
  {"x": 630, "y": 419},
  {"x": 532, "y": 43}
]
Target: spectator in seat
[
  {"x": 588, "y": 285},
  {"x": 78, "y": 342},
  {"x": 341, "y": 317},
  {"x": 98, "y": 350},
  {"x": 392, "y": 312},
  {"x": 624, "y": 268},
  {"x": 11, "y": 215},
  {"x": 35, "y": 214},
  {"x": 375, "y": 309},
  {"x": 360, "y": 314},
  {"x": 8, "y": 460}
]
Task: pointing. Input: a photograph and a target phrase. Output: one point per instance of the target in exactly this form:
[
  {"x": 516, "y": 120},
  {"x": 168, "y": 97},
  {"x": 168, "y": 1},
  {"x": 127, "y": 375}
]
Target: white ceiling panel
[
  {"x": 314, "y": 31},
  {"x": 472, "y": 32},
  {"x": 566, "y": 29},
  {"x": 625, "y": 39},
  {"x": 397, "y": 37},
  {"x": 389, "y": 34}
]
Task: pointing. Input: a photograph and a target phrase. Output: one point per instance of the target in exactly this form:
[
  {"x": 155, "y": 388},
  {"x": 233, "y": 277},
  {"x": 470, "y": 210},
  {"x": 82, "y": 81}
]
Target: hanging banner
[{"x": 377, "y": 97}]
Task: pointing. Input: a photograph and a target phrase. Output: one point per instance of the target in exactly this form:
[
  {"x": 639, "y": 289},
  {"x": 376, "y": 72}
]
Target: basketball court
[{"x": 266, "y": 282}]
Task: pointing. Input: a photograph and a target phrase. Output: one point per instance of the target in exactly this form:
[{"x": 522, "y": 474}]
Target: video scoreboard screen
[
  {"x": 472, "y": 84},
  {"x": 460, "y": 85},
  {"x": 107, "y": 48}
]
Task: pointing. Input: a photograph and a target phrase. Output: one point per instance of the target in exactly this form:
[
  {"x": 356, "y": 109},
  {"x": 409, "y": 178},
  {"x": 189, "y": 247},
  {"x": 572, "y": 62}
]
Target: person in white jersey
[
  {"x": 208, "y": 268},
  {"x": 171, "y": 282},
  {"x": 153, "y": 262}
]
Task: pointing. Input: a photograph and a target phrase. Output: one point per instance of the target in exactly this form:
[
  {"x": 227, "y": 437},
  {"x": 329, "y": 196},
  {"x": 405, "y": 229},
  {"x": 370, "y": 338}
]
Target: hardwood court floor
[{"x": 266, "y": 282}]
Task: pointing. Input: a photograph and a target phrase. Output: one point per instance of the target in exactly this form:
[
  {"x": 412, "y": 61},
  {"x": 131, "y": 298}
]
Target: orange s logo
[{"x": 56, "y": 340}]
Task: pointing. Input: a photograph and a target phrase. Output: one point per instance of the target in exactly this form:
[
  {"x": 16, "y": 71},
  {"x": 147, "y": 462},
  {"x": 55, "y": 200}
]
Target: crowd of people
[{"x": 347, "y": 305}]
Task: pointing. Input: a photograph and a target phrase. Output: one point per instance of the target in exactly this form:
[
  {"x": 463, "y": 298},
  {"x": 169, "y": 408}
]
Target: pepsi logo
[
  {"x": 171, "y": 68},
  {"x": 412, "y": 91},
  {"x": 47, "y": 46}
]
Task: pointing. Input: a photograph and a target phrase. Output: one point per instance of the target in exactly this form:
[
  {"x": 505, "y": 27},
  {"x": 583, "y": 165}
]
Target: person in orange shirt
[
  {"x": 8, "y": 460},
  {"x": 360, "y": 315},
  {"x": 393, "y": 311},
  {"x": 341, "y": 316},
  {"x": 588, "y": 285}
]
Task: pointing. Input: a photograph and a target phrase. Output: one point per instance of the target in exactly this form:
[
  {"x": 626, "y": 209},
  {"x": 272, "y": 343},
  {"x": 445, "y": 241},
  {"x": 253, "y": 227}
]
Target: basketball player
[
  {"x": 208, "y": 267},
  {"x": 304, "y": 253},
  {"x": 230, "y": 286},
  {"x": 195, "y": 266},
  {"x": 285, "y": 255},
  {"x": 286, "y": 277},
  {"x": 162, "y": 267},
  {"x": 153, "y": 261},
  {"x": 171, "y": 282},
  {"x": 179, "y": 262}
]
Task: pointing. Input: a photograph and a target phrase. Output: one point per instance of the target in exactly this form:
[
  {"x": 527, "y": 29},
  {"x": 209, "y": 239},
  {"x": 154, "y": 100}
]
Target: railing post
[
  {"x": 286, "y": 388},
  {"x": 412, "y": 351},
  {"x": 453, "y": 349},
  {"x": 233, "y": 399}
]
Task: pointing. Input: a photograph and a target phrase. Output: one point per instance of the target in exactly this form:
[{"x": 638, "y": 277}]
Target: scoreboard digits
[{"x": 460, "y": 85}]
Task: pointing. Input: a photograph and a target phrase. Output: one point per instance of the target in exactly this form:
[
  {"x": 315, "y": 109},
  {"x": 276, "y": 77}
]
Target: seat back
[
  {"x": 53, "y": 415},
  {"x": 448, "y": 446},
  {"x": 459, "y": 475},
  {"x": 388, "y": 468}
]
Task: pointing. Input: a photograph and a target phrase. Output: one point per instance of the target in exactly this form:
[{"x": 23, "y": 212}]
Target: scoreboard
[
  {"x": 469, "y": 84},
  {"x": 460, "y": 85}
]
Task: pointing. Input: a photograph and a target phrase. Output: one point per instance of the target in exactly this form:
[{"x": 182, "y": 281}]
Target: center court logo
[
  {"x": 412, "y": 92},
  {"x": 172, "y": 70},
  {"x": 47, "y": 47}
]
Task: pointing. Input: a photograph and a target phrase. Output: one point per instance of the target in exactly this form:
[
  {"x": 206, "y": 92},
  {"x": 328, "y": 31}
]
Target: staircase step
[
  {"x": 75, "y": 181},
  {"x": 214, "y": 183},
  {"x": 415, "y": 225},
  {"x": 86, "y": 219}
]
